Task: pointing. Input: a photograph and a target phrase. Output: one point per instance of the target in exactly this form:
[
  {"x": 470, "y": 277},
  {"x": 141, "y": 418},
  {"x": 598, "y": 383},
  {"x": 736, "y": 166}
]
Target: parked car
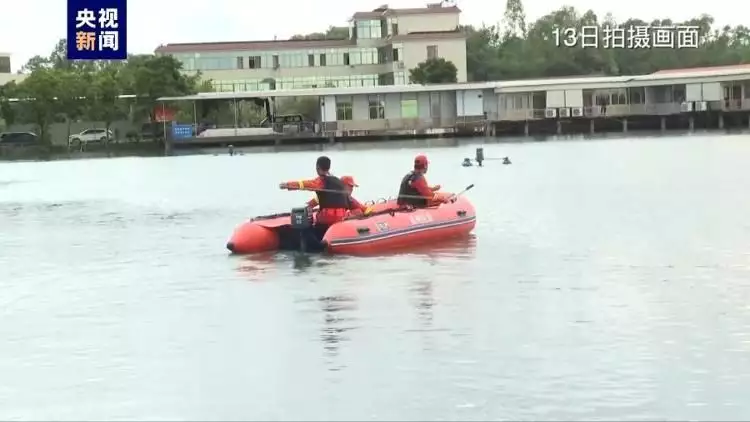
[
  {"x": 18, "y": 138},
  {"x": 90, "y": 136}
]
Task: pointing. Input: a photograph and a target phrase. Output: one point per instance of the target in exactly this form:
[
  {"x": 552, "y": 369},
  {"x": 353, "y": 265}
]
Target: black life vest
[
  {"x": 330, "y": 199},
  {"x": 407, "y": 194}
]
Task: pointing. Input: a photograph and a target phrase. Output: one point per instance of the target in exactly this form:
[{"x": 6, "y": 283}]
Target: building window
[
  {"x": 253, "y": 62},
  {"x": 323, "y": 59},
  {"x": 432, "y": 52},
  {"x": 240, "y": 62},
  {"x": 399, "y": 78},
  {"x": 346, "y": 59},
  {"x": 343, "y": 109},
  {"x": 396, "y": 55},
  {"x": 394, "y": 28},
  {"x": 377, "y": 108},
  {"x": 311, "y": 60},
  {"x": 5, "y": 64},
  {"x": 409, "y": 109},
  {"x": 276, "y": 61},
  {"x": 369, "y": 29}
]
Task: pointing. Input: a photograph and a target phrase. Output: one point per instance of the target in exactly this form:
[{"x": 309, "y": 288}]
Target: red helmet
[
  {"x": 420, "y": 161},
  {"x": 349, "y": 181}
]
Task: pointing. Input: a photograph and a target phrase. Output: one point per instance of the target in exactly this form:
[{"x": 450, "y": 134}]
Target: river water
[{"x": 607, "y": 279}]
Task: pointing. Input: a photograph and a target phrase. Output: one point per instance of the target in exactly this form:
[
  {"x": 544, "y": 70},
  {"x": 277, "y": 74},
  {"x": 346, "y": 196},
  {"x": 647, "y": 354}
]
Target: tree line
[{"x": 57, "y": 90}]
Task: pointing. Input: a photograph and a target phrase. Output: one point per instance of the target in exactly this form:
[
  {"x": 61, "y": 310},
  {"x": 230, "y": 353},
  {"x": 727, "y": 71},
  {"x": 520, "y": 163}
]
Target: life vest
[
  {"x": 333, "y": 205},
  {"x": 407, "y": 194}
]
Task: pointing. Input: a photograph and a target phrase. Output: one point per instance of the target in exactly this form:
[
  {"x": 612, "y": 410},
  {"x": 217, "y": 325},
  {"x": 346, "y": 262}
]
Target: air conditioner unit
[
  {"x": 400, "y": 65},
  {"x": 550, "y": 113},
  {"x": 576, "y": 112},
  {"x": 686, "y": 107},
  {"x": 701, "y": 106},
  {"x": 564, "y": 112}
]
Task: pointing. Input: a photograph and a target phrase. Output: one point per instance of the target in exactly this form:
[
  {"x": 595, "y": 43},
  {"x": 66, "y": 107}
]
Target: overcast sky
[{"x": 34, "y": 26}]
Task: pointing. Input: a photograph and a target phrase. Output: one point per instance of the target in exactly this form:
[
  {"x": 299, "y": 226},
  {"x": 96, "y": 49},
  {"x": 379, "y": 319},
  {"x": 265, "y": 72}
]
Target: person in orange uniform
[
  {"x": 414, "y": 190},
  {"x": 333, "y": 197},
  {"x": 354, "y": 205}
]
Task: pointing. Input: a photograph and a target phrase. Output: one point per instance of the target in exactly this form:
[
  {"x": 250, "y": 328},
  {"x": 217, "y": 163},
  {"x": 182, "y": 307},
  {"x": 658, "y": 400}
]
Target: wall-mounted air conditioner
[
  {"x": 576, "y": 112},
  {"x": 686, "y": 107},
  {"x": 701, "y": 106},
  {"x": 550, "y": 113},
  {"x": 564, "y": 112},
  {"x": 400, "y": 65}
]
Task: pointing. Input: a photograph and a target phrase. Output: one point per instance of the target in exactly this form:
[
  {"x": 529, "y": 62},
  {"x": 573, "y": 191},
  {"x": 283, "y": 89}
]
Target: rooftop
[
  {"x": 386, "y": 11},
  {"x": 205, "y": 47}
]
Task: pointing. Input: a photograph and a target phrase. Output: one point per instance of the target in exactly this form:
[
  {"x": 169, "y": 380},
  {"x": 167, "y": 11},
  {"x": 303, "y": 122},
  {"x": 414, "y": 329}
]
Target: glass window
[
  {"x": 432, "y": 52},
  {"x": 346, "y": 59},
  {"x": 400, "y": 78},
  {"x": 409, "y": 109},
  {"x": 311, "y": 60},
  {"x": 323, "y": 59},
  {"x": 377, "y": 107},
  {"x": 240, "y": 62},
  {"x": 275, "y": 61},
  {"x": 253, "y": 62},
  {"x": 343, "y": 109},
  {"x": 368, "y": 29}
]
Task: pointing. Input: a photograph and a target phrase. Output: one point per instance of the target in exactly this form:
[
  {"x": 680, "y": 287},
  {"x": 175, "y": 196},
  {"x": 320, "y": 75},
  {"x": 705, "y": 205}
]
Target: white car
[{"x": 90, "y": 136}]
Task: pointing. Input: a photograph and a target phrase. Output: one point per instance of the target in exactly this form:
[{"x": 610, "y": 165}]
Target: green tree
[
  {"x": 150, "y": 77},
  {"x": 38, "y": 94},
  {"x": 73, "y": 94},
  {"x": 433, "y": 71},
  {"x": 103, "y": 100},
  {"x": 333, "y": 33},
  {"x": 7, "y": 109}
]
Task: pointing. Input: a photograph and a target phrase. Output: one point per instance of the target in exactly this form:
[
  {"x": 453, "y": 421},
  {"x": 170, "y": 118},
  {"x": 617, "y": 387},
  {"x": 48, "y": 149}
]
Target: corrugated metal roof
[{"x": 382, "y": 89}]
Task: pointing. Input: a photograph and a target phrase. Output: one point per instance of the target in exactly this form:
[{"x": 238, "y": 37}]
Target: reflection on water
[{"x": 337, "y": 321}]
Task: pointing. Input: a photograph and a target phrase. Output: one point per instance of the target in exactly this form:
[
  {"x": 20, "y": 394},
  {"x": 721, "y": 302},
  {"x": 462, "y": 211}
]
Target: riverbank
[{"x": 156, "y": 149}]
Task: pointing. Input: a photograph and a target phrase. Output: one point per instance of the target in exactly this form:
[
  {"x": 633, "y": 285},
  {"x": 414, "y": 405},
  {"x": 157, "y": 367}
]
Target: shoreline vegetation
[{"x": 73, "y": 93}]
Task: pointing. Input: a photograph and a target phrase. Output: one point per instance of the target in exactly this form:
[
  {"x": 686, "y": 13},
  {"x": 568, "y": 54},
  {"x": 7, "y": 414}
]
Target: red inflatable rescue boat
[{"x": 388, "y": 228}]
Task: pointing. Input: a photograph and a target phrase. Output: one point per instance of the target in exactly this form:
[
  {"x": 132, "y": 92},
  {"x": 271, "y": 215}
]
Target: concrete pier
[
  {"x": 592, "y": 126},
  {"x": 663, "y": 123},
  {"x": 721, "y": 120},
  {"x": 625, "y": 125},
  {"x": 691, "y": 123}
]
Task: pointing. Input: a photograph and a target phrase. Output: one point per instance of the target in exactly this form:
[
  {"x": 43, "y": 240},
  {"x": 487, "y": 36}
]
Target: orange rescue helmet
[
  {"x": 420, "y": 161},
  {"x": 349, "y": 180}
]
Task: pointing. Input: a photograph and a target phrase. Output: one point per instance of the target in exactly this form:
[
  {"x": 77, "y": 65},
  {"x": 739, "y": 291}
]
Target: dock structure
[{"x": 689, "y": 99}]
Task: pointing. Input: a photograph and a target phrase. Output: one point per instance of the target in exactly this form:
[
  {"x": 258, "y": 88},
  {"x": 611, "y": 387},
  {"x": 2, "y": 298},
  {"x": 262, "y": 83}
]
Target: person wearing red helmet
[
  {"x": 354, "y": 205},
  {"x": 414, "y": 190}
]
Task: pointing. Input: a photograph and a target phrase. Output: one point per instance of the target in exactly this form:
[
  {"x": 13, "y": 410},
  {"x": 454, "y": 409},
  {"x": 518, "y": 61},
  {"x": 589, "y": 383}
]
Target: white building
[{"x": 383, "y": 45}]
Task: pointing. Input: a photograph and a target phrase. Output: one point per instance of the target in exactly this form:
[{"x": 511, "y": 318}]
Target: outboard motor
[
  {"x": 302, "y": 221},
  {"x": 479, "y": 156}
]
